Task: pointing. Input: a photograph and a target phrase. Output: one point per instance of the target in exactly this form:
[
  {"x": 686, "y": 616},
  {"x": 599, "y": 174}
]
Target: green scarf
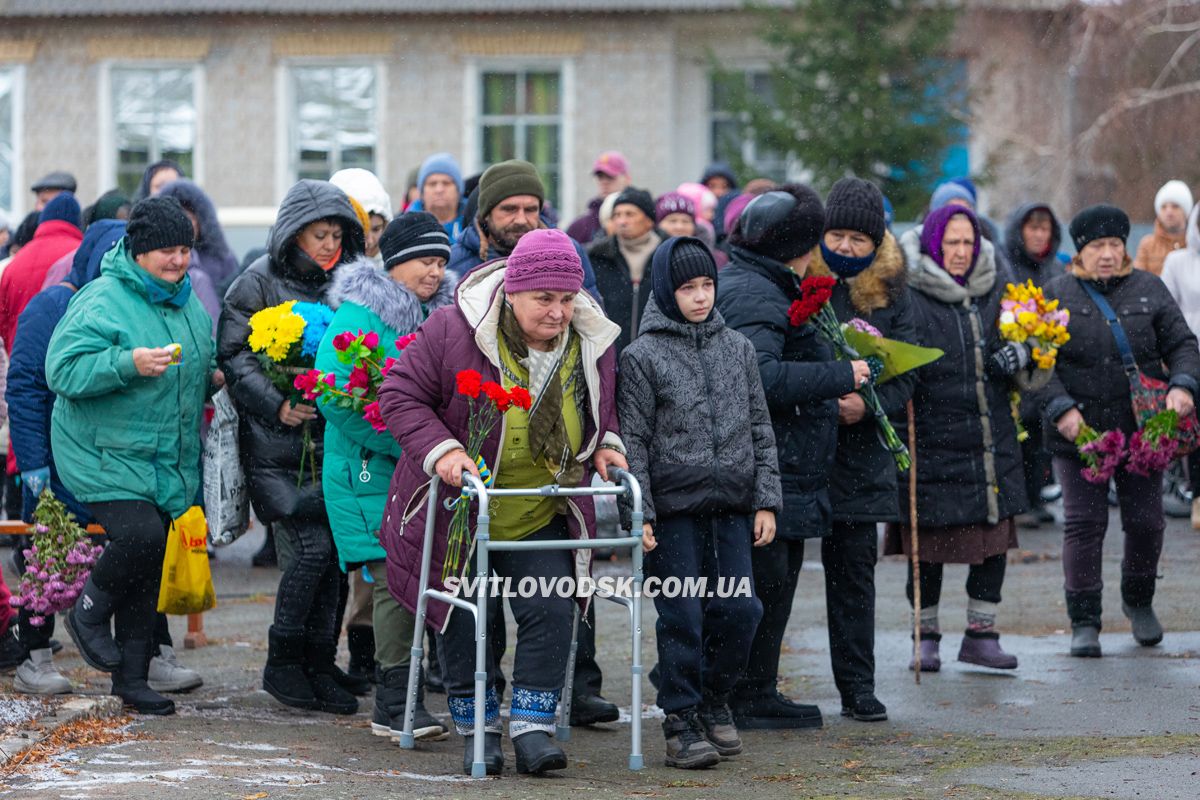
[{"x": 548, "y": 439}]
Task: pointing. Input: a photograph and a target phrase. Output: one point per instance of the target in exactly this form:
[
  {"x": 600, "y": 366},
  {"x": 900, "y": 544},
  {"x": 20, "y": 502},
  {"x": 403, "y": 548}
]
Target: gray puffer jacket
[{"x": 694, "y": 419}]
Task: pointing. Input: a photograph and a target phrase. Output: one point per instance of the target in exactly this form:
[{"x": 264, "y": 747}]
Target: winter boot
[
  {"x": 716, "y": 720},
  {"x": 12, "y": 652},
  {"x": 493, "y": 755},
  {"x": 38, "y": 675},
  {"x": 758, "y": 707},
  {"x": 591, "y": 709},
  {"x": 323, "y": 675},
  {"x": 687, "y": 747},
  {"x": 864, "y": 707},
  {"x": 168, "y": 675},
  {"x": 931, "y": 659},
  {"x": 90, "y": 624},
  {"x": 388, "y": 716},
  {"x": 361, "y": 641},
  {"x": 129, "y": 680},
  {"x": 283, "y": 676},
  {"x": 1137, "y": 598},
  {"x": 1084, "y": 610},
  {"x": 537, "y": 753},
  {"x": 983, "y": 649}
]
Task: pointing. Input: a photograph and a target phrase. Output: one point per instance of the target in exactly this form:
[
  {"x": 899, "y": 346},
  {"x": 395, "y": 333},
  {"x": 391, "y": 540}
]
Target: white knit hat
[
  {"x": 365, "y": 188},
  {"x": 1176, "y": 192}
]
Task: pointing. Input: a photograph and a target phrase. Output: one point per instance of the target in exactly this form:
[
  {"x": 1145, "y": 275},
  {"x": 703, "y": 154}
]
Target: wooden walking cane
[{"x": 913, "y": 550}]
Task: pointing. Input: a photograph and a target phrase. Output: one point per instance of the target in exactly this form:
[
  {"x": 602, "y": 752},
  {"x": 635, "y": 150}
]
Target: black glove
[{"x": 1010, "y": 358}]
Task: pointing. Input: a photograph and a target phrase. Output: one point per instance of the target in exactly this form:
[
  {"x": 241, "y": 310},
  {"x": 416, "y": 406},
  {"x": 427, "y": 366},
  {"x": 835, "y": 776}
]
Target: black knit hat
[
  {"x": 782, "y": 224},
  {"x": 508, "y": 179},
  {"x": 416, "y": 234},
  {"x": 157, "y": 223},
  {"x": 1099, "y": 222},
  {"x": 643, "y": 200},
  {"x": 856, "y": 205},
  {"x": 675, "y": 262}
]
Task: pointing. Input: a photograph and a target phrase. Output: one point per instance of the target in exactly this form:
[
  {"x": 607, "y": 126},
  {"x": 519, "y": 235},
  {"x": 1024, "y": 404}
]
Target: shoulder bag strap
[{"x": 1114, "y": 325}]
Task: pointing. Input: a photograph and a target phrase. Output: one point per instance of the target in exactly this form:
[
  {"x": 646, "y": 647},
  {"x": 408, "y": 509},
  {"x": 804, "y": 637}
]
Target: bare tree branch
[
  {"x": 1129, "y": 101},
  {"x": 1180, "y": 51}
]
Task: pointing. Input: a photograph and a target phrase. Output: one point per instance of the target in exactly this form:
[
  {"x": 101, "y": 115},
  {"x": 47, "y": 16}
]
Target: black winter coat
[
  {"x": 694, "y": 419},
  {"x": 623, "y": 301},
  {"x": 1089, "y": 375},
  {"x": 968, "y": 460},
  {"x": 862, "y": 486},
  {"x": 801, "y": 381},
  {"x": 271, "y": 451}
]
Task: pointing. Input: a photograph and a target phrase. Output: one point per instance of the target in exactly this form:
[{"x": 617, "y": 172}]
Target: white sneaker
[
  {"x": 167, "y": 675},
  {"x": 38, "y": 675}
]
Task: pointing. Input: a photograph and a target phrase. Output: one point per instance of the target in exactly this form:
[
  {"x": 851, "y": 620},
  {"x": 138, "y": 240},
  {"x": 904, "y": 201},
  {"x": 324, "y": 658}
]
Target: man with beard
[{"x": 511, "y": 196}]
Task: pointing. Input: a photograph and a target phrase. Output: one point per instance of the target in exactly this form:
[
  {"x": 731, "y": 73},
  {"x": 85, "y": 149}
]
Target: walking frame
[{"x": 473, "y": 487}]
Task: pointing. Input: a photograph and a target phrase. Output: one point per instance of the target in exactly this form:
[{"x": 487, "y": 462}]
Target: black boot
[
  {"x": 433, "y": 671},
  {"x": 537, "y": 753},
  {"x": 591, "y": 709},
  {"x": 1137, "y": 599},
  {"x": 388, "y": 717},
  {"x": 1084, "y": 609},
  {"x": 763, "y": 707},
  {"x": 361, "y": 641},
  {"x": 493, "y": 756},
  {"x": 265, "y": 557},
  {"x": 12, "y": 652},
  {"x": 90, "y": 624},
  {"x": 129, "y": 680},
  {"x": 283, "y": 676},
  {"x": 323, "y": 674}
]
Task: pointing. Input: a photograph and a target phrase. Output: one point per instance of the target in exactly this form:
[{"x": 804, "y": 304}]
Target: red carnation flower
[
  {"x": 495, "y": 392},
  {"x": 469, "y": 382},
  {"x": 520, "y": 398}
]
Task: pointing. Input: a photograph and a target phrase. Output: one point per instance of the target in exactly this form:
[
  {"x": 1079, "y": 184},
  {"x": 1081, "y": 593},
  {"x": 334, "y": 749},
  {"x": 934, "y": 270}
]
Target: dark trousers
[
  {"x": 1036, "y": 460},
  {"x": 1086, "y": 507},
  {"x": 543, "y": 623},
  {"x": 1193, "y": 465},
  {"x": 588, "y": 679},
  {"x": 307, "y": 601},
  {"x": 130, "y": 568},
  {"x": 703, "y": 642},
  {"x": 848, "y": 555},
  {"x": 776, "y": 570},
  {"x": 984, "y": 581}
]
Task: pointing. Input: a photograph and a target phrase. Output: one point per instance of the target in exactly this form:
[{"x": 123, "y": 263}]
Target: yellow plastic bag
[{"x": 187, "y": 586}]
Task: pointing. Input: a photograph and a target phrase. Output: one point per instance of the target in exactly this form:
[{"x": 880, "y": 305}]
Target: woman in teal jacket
[
  {"x": 126, "y": 430},
  {"x": 359, "y": 461}
]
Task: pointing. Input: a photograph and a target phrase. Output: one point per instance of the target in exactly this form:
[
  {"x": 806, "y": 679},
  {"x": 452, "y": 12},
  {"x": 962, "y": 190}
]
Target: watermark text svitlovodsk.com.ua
[{"x": 608, "y": 585}]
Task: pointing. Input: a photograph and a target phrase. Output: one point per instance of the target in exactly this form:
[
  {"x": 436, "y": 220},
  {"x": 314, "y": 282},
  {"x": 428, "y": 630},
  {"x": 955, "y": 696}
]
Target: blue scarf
[
  {"x": 846, "y": 266},
  {"x": 162, "y": 292}
]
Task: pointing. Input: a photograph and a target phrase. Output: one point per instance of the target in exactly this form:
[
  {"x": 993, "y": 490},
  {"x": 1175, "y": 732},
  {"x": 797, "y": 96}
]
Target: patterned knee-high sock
[
  {"x": 929, "y": 623},
  {"x": 981, "y": 617},
  {"x": 462, "y": 711},
  {"x": 532, "y": 710}
]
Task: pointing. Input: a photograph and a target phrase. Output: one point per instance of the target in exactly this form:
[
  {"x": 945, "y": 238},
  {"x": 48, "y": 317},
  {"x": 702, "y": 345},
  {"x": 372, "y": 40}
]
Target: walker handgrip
[{"x": 616, "y": 474}]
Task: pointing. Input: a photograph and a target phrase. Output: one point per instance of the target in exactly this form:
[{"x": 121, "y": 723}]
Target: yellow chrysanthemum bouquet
[{"x": 1028, "y": 318}]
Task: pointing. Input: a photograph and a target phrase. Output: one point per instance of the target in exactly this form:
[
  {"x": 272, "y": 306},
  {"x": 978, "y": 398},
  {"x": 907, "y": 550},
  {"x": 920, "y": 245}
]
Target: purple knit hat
[
  {"x": 673, "y": 203},
  {"x": 935, "y": 228},
  {"x": 543, "y": 261}
]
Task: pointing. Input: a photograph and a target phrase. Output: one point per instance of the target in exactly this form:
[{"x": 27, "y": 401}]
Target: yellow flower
[{"x": 274, "y": 330}]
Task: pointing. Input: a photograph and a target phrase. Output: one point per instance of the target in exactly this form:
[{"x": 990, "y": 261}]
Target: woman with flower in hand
[
  {"x": 969, "y": 479},
  {"x": 760, "y": 296},
  {"x": 316, "y": 231},
  {"x": 1092, "y": 385},
  {"x": 521, "y": 324},
  {"x": 857, "y": 249},
  {"x": 390, "y": 303}
]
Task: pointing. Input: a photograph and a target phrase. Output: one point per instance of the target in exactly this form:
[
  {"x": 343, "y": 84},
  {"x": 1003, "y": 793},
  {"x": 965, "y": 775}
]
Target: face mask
[{"x": 846, "y": 266}]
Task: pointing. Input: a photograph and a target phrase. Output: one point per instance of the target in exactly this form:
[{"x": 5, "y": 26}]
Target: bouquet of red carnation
[
  {"x": 369, "y": 365},
  {"x": 488, "y": 401},
  {"x": 1101, "y": 453}
]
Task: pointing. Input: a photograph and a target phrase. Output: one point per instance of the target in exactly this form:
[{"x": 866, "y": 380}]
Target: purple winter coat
[{"x": 427, "y": 416}]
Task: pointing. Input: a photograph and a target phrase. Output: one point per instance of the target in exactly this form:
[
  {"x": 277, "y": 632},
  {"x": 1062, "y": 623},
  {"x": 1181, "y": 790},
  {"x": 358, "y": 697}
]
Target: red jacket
[{"x": 23, "y": 277}]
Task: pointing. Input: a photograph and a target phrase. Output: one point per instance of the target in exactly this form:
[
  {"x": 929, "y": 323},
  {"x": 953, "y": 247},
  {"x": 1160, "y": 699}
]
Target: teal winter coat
[
  {"x": 117, "y": 435},
  {"x": 358, "y": 461}
]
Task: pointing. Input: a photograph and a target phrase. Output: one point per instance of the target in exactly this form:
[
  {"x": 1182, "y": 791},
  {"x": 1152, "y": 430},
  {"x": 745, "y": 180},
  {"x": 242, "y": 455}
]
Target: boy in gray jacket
[{"x": 695, "y": 422}]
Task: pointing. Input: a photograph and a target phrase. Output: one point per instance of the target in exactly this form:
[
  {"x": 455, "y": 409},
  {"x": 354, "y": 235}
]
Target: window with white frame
[
  {"x": 733, "y": 138},
  {"x": 521, "y": 117},
  {"x": 334, "y": 119},
  {"x": 9, "y": 79},
  {"x": 154, "y": 117}
]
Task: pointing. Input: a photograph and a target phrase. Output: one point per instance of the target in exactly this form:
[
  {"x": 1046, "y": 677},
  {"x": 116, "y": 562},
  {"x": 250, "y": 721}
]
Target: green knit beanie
[{"x": 508, "y": 179}]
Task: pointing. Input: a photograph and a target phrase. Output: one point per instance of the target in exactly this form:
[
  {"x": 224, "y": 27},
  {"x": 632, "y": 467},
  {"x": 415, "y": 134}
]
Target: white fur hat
[
  {"x": 364, "y": 187},
  {"x": 1176, "y": 192}
]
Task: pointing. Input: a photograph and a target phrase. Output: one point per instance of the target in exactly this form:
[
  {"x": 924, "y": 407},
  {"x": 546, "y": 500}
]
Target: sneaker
[
  {"x": 716, "y": 719},
  {"x": 38, "y": 675},
  {"x": 687, "y": 747},
  {"x": 168, "y": 675}
]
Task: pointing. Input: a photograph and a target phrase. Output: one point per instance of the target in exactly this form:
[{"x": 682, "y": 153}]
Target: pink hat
[
  {"x": 611, "y": 163},
  {"x": 543, "y": 261}
]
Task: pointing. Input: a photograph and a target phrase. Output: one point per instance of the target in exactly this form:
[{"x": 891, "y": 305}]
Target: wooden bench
[{"x": 195, "y": 622}]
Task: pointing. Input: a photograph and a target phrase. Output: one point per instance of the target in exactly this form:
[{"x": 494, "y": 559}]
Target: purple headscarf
[{"x": 935, "y": 228}]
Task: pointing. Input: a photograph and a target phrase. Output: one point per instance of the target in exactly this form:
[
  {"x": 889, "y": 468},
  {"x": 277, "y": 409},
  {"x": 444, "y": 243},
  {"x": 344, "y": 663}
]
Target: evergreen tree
[{"x": 858, "y": 87}]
